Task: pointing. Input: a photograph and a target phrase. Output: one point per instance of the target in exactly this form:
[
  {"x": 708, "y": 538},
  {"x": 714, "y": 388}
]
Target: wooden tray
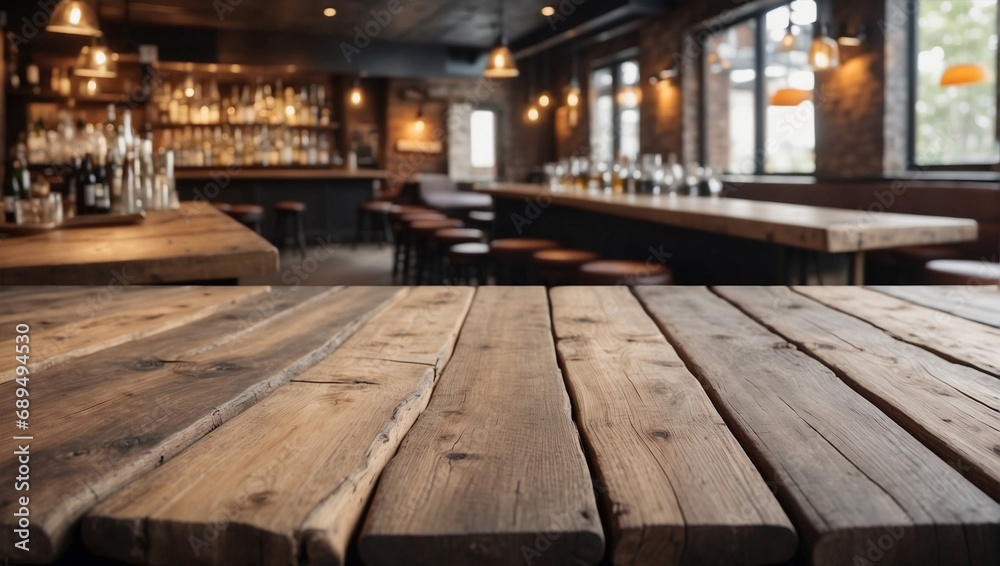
[{"x": 90, "y": 221}]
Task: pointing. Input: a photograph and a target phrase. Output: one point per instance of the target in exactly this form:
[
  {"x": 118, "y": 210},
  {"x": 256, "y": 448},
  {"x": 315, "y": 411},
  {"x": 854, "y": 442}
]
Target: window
[
  {"x": 614, "y": 119},
  {"x": 747, "y": 129},
  {"x": 484, "y": 139},
  {"x": 472, "y": 143},
  {"x": 954, "y": 126}
]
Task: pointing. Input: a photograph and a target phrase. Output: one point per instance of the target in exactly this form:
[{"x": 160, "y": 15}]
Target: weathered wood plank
[
  {"x": 194, "y": 243},
  {"x": 951, "y": 337},
  {"x": 677, "y": 486},
  {"x": 103, "y": 320},
  {"x": 981, "y": 304},
  {"x": 952, "y": 408},
  {"x": 296, "y": 470},
  {"x": 104, "y": 420},
  {"x": 857, "y": 486},
  {"x": 493, "y": 471}
]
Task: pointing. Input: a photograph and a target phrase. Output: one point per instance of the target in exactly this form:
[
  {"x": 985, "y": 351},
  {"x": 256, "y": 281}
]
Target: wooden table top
[
  {"x": 284, "y": 174},
  {"x": 821, "y": 229},
  {"x": 250, "y": 425},
  {"x": 194, "y": 243}
]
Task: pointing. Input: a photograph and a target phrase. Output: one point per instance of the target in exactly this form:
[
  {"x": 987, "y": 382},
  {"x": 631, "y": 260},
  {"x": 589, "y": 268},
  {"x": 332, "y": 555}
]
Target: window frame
[
  {"x": 613, "y": 63},
  {"x": 756, "y": 11},
  {"x": 912, "y": 90}
]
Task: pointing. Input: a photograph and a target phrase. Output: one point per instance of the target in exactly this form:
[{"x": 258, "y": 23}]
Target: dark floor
[{"x": 336, "y": 264}]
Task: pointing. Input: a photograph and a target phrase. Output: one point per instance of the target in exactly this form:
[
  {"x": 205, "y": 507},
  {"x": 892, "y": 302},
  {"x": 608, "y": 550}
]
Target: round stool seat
[
  {"x": 515, "y": 248},
  {"x": 398, "y": 211},
  {"x": 426, "y": 228},
  {"x": 222, "y": 206},
  {"x": 469, "y": 250},
  {"x": 605, "y": 272},
  {"x": 483, "y": 216},
  {"x": 421, "y": 217},
  {"x": 563, "y": 258},
  {"x": 290, "y": 206},
  {"x": 378, "y": 206},
  {"x": 246, "y": 212},
  {"x": 961, "y": 272},
  {"x": 923, "y": 254},
  {"x": 454, "y": 236}
]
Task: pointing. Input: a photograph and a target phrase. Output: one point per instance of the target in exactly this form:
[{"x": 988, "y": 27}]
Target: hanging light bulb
[
  {"x": 189, "y": 86},
  {"x": 824, "y": 53},
  {"x": 544, "y": 100},
  {"x": 356, "y": 97},
  {"x": 573, "y": 94},
  {"x": 532, "y": 114},
  {"x": 75, "y": 17},
  {"x": 97, "y": 61},
  {"x": 419, "y": 125},
  {"x": 501, "y": 64}
]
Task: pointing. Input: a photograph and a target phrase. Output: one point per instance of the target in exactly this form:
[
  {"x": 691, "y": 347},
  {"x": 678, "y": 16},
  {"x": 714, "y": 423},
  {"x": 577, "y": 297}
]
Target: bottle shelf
[
  {"x": 331, "y": 127},
  {"x": 49, "y": 96}
]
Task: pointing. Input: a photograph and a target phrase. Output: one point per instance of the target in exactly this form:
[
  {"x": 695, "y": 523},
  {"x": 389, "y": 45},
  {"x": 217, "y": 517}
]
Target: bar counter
[
  {"x": 687, "y": 425},
  {"x": 331, "y": 195},
  {"x": 810, "y": 228},
  {"x": 195, "y": 243}
]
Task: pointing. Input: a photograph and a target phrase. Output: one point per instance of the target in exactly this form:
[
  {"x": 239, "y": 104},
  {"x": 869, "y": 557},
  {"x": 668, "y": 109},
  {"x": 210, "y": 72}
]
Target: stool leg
[
  {"x": 386, "y": 228},
  {"x": 301, "y": 233},
  {"x": 357, "y": 230}
]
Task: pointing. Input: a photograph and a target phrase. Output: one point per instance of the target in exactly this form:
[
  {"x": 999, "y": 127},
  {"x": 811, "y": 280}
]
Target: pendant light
[
  {"x": 573, "y": 92},
  {"x": 419, "y": 124},
  {"x": 964, "y": 75},
  {"x": 75, "y": 17},
  {"x": 789, "y": 41},
  {"x": 532, "y": 112},
  {"x": 97, "y": 61},
  {"x": 356, "y": 97},
  {"x": 501, "y": 64},
  {"x": 825, "y": 52}
]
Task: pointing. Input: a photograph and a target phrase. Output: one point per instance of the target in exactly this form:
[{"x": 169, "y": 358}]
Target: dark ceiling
[{"x": 468, "y": 23}]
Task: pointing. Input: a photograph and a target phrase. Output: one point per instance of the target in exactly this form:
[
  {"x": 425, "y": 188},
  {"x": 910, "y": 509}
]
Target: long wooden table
[
  {"x": 192, "y": 244},
  {"x": 809, "y": 228},
  {"x": 503, "y": 425}
]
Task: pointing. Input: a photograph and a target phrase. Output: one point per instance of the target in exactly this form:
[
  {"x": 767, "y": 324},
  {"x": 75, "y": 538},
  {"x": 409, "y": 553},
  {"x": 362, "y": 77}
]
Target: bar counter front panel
[{"x": 331, "y": 195}]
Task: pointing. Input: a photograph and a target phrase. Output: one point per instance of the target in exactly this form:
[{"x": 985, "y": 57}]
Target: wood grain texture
[
  {"x": 296, "y": 470},
  {"x": 82, "y": 324},
  {"x": 194, "y": 243},
  {"x": 856, "y": 485},
  {"x": 493, "y": 471},
  {"x": 105, "y": 420},
  {"x": 952, "y": 408},
  {"x": 677, "y": 486},
  {"x": 953, "y": 338},
  {"x": 981, "y": 304},
  {"x": 827, "y": 230}
]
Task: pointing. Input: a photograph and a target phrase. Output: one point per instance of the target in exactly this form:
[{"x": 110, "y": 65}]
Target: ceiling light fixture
[
  {"x": 824, "y": 53},
  {"x": 855, "y": 40},
  {"x": 356, "y": 97},
  {"x": 789, "y": 41},
  {"x": 74, "y": 17},
  {"x": 964, "y": 75},
  {"x": 329, "y": 12},
  {"x": 97, "y": 61},
  {"x": 544, "y": 100},
  {"x": 501, "y": 64},
  {"x": 532, "y": 114},
  {"x": 419, "y": 125},
  {"x": 548, "y": 11}
]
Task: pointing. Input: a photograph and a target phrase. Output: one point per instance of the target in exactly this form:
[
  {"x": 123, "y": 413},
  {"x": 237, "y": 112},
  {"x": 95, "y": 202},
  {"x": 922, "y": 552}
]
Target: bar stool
[
  {"x": 399, "y": 242},
  {"x": 406, "y": 253},
  {"x": 249, "y": 215},
  {"x": 961, "y": 272},
  {"x": 468, "y": 259},
  {"x": 420, "y": 233},
  {"x": 910, "y": 260},
  {"x": 482, "y": 219},
  {"x": 620, "y": 272},
  {"x": 222, "y": 206},
  {"x": 291, "y": 223},
  {"x": 512, "y": 257},
  {"x": 442, "y": 240},
  {"x": 369, "y": 213},
  {"x": 559, "y": 266}
]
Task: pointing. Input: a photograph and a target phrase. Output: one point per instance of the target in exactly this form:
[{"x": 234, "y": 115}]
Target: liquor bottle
[
  {"x": 54, "y": 80},
  {"x": 86, "y": 186},
  {"x": 102, "y": 190},
  {"x": 21, "y": 173}
]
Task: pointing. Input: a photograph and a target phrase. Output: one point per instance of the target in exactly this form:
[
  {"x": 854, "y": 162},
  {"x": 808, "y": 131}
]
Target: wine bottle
[
  {"x": 102, "y": 189},
  {"x": 86, "y": 186}
]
